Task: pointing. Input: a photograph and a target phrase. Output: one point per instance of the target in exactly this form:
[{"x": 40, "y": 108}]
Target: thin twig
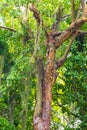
[{"x": 8, "y": 28}]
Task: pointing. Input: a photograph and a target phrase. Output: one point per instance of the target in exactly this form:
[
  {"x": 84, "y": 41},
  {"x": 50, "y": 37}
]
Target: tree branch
[
  {"x": 83, "y": 4},
  {"x": 61, "y": 61},
  {"x": 58, "y": 33},
  {"x": 73, "y": 10},
  {"x": 68, "y": 47},
  {"x": 35, "y": 13},
  {"x": 37, "y": 17},
  {"x": 81, "y": 32},
  {"x": 57, "y": 15},
  {"x": 8, "y": 28},
  {"x": 70, "y": 31},
  {"x": 55, "y": 33}
]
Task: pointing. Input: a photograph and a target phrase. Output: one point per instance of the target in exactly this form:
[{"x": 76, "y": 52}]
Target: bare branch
[
  {"x": 83, "y": 4},
  {"x": 57, "y": 15},
  {"x": 55, "y": 24},
  {"x": 81, "y": 32},
  {"x": 69, "y": 46},
  {"x": 84, "y": 8},
  {"x": 73, "y": 10},
  {"x": 8, "y": 28},
  {"x": 37, "y": 17},
  {"x": 79, "y": 13},
  {"x": 35, "y": 13},
  {"x": 64, "y": 17},
  {"x": 70, "y": 31},
  {"x": 61, "y": 61},
  {"x": 56, "y": 33}
]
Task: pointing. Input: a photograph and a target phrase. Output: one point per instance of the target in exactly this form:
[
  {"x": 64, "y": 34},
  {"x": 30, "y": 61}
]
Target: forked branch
[
  {"x": 70, "y": 31},
  {"x": 61, "y": 61}
]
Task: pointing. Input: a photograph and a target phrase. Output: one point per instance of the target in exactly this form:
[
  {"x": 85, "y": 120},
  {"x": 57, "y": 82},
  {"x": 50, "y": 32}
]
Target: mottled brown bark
[
  {"x": 42, "y": 121},
  {"x": 47, "y": 97}
]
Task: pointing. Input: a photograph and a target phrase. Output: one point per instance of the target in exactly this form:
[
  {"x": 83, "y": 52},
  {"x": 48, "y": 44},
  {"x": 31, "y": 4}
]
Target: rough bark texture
[
  {"x": 40, "y": 83},
  {"x": 47, "y": 96},
  {"x": 42, "y": 120}
]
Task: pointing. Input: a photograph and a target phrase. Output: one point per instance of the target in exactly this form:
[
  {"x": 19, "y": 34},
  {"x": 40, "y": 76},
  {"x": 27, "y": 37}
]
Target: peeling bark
[{"x": 42, "y": 121}]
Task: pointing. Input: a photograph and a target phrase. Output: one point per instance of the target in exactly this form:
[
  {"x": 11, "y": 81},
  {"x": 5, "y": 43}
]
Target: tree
[
  {"x": 42, "y": 116},
  {"x": 47, "y": 67}
]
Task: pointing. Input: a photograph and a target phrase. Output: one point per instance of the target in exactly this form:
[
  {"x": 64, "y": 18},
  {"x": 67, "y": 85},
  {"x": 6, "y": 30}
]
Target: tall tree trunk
[
  {"x": 47, "y": 95},
  {"x": 42, "y": 117}
]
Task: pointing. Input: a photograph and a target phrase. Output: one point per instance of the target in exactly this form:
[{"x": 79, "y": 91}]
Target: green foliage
[
  {"x": 5, "y": 125},
  {"x": 3, "y": 48}
]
